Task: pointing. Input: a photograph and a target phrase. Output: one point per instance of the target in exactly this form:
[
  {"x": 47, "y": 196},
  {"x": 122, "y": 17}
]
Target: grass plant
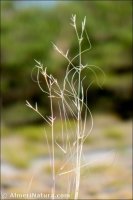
[{"x": 72, "y": 104}]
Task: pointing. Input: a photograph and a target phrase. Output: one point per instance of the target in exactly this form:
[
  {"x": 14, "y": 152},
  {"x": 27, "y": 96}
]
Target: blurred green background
[{"x": 27, "y": 30}]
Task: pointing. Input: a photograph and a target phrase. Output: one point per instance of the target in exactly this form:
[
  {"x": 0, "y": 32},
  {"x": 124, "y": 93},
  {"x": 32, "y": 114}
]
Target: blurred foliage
[
  {"x": 26, "y": 34},
  {"x": 114, "y": 134},
  {"x": 18, "y": 114}
]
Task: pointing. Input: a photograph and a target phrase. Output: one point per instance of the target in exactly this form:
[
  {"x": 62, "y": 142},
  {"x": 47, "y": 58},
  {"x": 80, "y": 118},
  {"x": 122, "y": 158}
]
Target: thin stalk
[
  {"x": 78, "y": 154},
  {"x": 53, "y": 153}
]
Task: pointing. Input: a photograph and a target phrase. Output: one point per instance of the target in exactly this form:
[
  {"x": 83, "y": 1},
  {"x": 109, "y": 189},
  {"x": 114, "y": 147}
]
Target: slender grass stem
[
  {"x": 53, "y": 151},
  {"x": 78, "y": 156}
]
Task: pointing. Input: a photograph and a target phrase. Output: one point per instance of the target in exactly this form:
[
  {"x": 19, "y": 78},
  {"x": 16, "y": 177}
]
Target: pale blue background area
[{"x": 44, "y": 4}]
